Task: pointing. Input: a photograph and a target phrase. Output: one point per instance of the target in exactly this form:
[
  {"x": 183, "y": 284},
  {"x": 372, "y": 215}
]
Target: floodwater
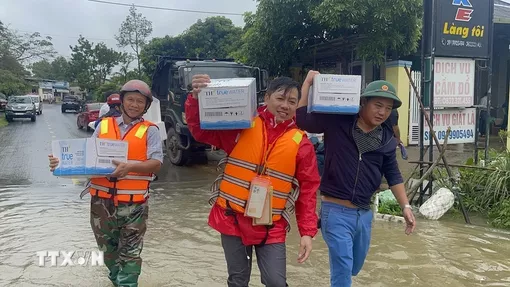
[{"x": 41, "y": 212}]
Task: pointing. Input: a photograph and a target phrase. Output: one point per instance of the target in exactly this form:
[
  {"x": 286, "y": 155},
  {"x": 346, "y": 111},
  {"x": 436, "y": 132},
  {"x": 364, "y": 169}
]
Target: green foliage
[
  {"x": 91, "y": 63},
  {"x": 486, "y": 191},
  {"x": 381, "y": 25},
  {"x": 134, "y": 32},
  {"x": 390, "y": 207},
  {"x": 499, "y": 215},
  {"x": 12, "y": 84},
  {"x": 101, "y": 90},
  {"x": 3, "y": 122},
  {"x": 280, "y": 32},
  {"x": 25, "y": 47},
  {"x": 276, "y": 33},
  {"x": 215, "y": 37}
]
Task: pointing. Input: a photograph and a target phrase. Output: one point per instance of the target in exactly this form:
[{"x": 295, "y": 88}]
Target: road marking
[
  {"x": 53, "y": 136},
  {"x": 51, "y": 132}
]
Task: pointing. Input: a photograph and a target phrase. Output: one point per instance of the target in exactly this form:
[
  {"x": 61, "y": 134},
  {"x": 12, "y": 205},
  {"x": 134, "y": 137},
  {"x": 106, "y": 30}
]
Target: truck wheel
[{"x": 177, "y": 156}]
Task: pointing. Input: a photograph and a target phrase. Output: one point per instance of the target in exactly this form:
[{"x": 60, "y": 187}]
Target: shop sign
[
  {"x": 462, "y": 124},
  {"x": 454, "y": 82},
  {"x": 462, "y": 28}
]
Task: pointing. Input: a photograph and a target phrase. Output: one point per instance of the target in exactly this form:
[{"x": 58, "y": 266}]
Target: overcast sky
[{"x": 65, "y": 20}]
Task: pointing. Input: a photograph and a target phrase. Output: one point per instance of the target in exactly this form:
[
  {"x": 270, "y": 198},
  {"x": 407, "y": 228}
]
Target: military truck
[{"x": 171, "y": 84}]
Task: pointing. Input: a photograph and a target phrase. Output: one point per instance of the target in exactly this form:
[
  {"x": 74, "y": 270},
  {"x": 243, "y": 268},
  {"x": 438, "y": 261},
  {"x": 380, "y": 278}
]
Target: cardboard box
[
  {"x": 335, "y": 94},
  {"x": 228, "y": 104},
  {"x": 88, "y": 157}
]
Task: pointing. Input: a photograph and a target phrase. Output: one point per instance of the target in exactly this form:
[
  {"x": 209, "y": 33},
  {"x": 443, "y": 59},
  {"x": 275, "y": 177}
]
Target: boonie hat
[{"x": 382, "y": 89}]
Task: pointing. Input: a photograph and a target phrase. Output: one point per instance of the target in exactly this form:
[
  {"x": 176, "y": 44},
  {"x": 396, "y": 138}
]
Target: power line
[{"x": 167, "y": 9}]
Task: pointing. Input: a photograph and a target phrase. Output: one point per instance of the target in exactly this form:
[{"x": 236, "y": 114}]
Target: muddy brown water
[{"x": 41, "y": 212}]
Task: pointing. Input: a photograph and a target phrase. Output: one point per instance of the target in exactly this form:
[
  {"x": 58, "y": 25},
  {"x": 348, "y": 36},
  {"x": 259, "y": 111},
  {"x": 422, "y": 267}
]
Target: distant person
[
  {"x": 105, "y": 107},
  {"x": 114, "y": 104},
  {"x": 483, "y": 116}
]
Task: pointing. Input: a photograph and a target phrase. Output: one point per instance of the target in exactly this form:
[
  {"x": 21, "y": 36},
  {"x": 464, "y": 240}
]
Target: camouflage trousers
[{"x": 119, "y": 233}]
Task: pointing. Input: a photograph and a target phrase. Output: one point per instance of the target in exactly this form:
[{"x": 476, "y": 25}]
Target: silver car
[
  {"x": 38, "y": 103},
  {"x": 20, "y": 107}
]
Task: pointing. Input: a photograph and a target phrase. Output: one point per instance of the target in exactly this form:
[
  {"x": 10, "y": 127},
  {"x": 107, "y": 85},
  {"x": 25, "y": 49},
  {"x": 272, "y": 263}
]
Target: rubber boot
[{"x": 127, "y": 280}]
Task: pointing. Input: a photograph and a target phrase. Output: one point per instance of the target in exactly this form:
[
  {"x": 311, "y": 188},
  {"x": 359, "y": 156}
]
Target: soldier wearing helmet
[
  {"x": 359, "y": 150},
  {"x": 119, "y": 203}
]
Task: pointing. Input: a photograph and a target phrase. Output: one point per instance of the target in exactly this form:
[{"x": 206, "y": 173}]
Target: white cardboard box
[
  {"x": 227, "y": 104},
  {"x": 335, "y": 94},
  {"x": 88, "y": 157}
]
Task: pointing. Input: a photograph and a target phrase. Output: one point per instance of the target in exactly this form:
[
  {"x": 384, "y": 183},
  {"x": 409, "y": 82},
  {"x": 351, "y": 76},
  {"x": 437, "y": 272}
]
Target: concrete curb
[{"x": 389, "y": 218}]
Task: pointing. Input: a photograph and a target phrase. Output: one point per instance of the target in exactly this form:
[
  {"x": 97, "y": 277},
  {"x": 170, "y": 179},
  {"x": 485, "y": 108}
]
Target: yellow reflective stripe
[
  {"x": 104, "y": 126},
  {"x": 141, "y": 131},
  {"x": 297, "y": 137}
]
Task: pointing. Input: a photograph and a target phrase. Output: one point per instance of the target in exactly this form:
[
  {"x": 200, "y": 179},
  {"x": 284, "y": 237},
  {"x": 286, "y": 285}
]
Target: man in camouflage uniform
[{"x": 119, "y": 207}]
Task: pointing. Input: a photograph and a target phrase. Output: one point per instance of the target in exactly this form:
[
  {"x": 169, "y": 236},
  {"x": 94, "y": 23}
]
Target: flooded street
[{"x": 41, "y": 212}]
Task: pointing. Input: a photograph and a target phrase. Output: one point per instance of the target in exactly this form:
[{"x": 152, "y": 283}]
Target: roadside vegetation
[
  {"x": 3, "y": 122},
  {"x": 484, "y": 190}
]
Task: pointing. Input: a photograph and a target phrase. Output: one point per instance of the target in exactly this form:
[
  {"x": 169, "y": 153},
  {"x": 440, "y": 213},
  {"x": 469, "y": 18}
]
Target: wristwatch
[{"x": 407, "y": 206}]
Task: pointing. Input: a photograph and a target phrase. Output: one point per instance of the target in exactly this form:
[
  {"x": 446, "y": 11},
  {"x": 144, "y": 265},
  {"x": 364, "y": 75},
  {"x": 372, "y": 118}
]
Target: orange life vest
[
  {"x": 134, "y": 188},
  {"x": 246, "y": 161}
]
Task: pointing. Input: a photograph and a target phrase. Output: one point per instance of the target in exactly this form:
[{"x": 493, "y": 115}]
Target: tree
[
  {"x": 216, "y": 37},
  {"x": 279, "y": 31},
  {"x": 392, "y": 24},
  {"x": 125, "y": 61},
  {"x": 11, "y": 84},
  {"x": 134, "y": 32},
  {"x": 42, "y": 69},
  {"x": 91, "y": 63},
  {"x": 275, "y": 34},
  {"x": 166, "y": 46},
  {"x": 60, "y": 68}
]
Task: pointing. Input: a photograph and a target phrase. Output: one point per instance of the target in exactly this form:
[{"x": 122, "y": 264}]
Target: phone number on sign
[{"x": 454, "y": 134}]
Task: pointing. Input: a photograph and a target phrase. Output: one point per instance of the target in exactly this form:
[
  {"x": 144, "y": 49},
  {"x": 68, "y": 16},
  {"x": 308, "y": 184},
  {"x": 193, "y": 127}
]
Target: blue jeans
[{"x": 347, "y": 233}]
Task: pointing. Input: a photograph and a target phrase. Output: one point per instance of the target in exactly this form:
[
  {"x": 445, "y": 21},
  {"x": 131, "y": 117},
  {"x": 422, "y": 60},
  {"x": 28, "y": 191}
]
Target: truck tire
[{"x": 177, "y": 156}]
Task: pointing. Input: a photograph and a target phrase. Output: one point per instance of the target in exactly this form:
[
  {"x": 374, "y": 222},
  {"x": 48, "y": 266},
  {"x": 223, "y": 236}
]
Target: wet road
[{"x": 41, "y": 212}]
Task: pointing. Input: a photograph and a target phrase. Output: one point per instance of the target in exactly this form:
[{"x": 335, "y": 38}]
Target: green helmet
[{"x": 382, "y": 89}]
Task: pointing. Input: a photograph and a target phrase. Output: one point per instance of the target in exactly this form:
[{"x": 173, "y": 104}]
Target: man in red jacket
[{"x": 274, "y": 131}]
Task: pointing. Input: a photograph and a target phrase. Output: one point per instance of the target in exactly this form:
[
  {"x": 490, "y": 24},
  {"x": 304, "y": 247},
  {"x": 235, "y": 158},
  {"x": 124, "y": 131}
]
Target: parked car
[
  {"x": 3, "y": 102},
  {"x": 90, "y": 113},
  {"x": 20, "y": 107},
  {"x": 71, "y": 103},
  {"x": 38, "y": 103}
]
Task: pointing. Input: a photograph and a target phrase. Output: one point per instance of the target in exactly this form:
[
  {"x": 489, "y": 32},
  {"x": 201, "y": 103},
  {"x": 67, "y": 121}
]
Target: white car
[{"x": 38, "y": 103}]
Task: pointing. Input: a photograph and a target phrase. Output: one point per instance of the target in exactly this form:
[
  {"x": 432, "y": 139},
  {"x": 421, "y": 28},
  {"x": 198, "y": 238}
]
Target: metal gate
[{"x": 414, "y": 109}]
